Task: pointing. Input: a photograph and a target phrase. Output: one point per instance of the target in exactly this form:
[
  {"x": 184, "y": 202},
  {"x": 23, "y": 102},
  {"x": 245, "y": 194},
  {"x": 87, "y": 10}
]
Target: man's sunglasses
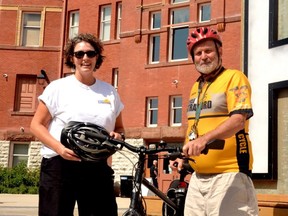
[{"x": 80, "y": 54}]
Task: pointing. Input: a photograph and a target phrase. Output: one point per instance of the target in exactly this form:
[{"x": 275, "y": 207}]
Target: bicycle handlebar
[
  {"x": 130, "y": 147},
  {"x": 174, "y": 152}
]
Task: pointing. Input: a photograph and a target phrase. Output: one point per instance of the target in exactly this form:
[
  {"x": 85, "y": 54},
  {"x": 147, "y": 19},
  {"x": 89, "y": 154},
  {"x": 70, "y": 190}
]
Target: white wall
[{"x": 264, "y": 66}]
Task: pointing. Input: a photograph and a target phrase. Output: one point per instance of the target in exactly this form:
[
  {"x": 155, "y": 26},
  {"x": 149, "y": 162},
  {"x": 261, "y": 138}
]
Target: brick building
[
  {"x": 146, "y": 60},
  {"x": 30, "y": 40}
]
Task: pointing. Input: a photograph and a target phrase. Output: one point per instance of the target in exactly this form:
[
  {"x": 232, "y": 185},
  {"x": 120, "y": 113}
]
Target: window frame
[
  {"x": 174, "y": 26},
  {"x": 152, "y": 18},
  {"x": 273, "y": 89},
  {"x": 115, "y": 77},
  {"x": 103, "y": 23},
  {"x": 40, "y": 41},
  {"x": 12, "y": 154},
  {"x": 201, "y": 12},
  {"x": 119, "y": 18},
  {"x": 173, "y": 110},
  {"x": 152, "y": 49},
  {"x": 273, "y": 26},
  {"x": 73, "y": 26},
  {"x": 151, "y": 112},
  {"x": 171, "y": 43},
  {"x": 181, "y": 1}
]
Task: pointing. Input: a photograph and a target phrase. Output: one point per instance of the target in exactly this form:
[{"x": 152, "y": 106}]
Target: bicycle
[{"x": 173, "y": 205}]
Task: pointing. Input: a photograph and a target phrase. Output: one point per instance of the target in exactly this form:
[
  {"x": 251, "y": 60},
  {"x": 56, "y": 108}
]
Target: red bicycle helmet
[{"x": 200, "y": 34}]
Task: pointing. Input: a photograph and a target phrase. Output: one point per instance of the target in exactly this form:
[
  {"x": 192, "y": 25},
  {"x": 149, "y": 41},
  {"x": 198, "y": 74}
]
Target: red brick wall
[
  {"x": 26, "y": 60},
  {"x": 137, "y": 79}
]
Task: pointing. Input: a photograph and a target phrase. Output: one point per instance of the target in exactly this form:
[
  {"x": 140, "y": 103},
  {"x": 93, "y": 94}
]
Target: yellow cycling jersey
[{"x": 227, "y": 94}]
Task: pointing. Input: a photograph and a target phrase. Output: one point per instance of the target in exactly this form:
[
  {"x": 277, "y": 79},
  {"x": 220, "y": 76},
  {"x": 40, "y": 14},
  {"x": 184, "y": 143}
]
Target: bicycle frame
[{"x": 136, "y": 206}]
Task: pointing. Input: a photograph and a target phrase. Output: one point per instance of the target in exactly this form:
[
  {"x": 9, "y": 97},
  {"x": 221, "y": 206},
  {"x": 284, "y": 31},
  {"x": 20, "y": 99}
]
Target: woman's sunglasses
[{"x": 80, "y": 54}]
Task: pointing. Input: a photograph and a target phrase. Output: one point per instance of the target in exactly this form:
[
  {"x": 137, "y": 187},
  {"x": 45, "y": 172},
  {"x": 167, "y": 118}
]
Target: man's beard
[{"x": 207, "y": 68}]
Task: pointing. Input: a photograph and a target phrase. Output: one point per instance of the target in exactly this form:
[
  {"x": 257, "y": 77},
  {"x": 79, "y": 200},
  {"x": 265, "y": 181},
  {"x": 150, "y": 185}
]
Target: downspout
[
  {"x": 138, "y": 36},
  {"x": 64, "y": 10},
  {"x": 221, "y": 23}
]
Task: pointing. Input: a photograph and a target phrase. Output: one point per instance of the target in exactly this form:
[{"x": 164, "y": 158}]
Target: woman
[{"x": 80, "y": 97}]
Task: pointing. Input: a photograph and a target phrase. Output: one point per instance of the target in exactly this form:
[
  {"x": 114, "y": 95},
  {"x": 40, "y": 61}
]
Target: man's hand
[{"x": 195, "y": 147}]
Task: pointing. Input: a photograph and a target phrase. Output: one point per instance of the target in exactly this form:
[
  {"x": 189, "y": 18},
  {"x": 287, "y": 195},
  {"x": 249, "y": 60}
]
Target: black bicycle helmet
[{"x": 89, "y": 141}]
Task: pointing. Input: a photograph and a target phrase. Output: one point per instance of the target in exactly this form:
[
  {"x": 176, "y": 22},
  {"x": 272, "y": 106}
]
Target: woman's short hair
[{"x": 89, "y": 38}]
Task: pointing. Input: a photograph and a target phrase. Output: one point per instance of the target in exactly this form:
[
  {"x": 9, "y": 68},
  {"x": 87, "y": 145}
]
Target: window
[
  {"x": 31, "y": 29},
  {"x": 156, "y": 20},
  {"x": 277, "y": 128},
  {"x": 176, "y": 111},
  {"x": 74, "y": 24},
  {"x": 278, "y": 18},
  {"x": 179, "y": 15},
  {"x": 25, "y": 96},
  {"x": 19, "y": 153},
  {"x": 204, "y": 12},
  {"x": 179, "y": 1},
  {"x": 115, "y": 73},
  {"x": 178, "y": 34},
  {"x": 119, "y": 17},
  {"x": 105, "y": 23},
  {"x": 152, "y": 112},
  {"x": 154, "y": 48}
]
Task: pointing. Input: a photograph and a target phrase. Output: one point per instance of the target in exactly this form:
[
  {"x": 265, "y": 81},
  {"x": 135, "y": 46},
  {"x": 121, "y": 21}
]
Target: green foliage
[{"x": 19, "y": 180}]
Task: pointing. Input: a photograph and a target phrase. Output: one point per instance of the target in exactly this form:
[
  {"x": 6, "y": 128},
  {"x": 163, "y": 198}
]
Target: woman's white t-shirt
[{"x": 67, "y": 99}]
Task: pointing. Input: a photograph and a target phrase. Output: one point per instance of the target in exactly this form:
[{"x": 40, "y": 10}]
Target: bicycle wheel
[
  {"x": 139, "y": 210},
  {"x": 176, "y": 195},
  {"x": 167, "y": 210},
  {"x": 132, "y": 212}
]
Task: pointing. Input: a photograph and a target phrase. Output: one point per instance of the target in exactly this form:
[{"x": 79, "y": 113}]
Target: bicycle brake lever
[
  {"x": 174, "y": 155},
  {"x": 214, "y": 144}
]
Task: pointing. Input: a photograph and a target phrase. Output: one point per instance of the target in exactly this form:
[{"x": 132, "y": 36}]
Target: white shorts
[{"x": 225, "y": 194}]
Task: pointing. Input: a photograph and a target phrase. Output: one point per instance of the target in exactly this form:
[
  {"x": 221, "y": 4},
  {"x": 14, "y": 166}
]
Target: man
[
  {"x": 154, "y": 173},
  {"x": 219, "y": 108}
]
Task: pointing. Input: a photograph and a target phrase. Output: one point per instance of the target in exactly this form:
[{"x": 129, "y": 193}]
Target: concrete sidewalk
[{"x": 27, "y": 205}]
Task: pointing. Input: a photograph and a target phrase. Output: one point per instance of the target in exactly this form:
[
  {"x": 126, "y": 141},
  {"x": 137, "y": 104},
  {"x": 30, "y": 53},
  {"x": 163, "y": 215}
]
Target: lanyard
[
  {"x": 194, "y": 131},
  {"x": 200, "y": 103}
]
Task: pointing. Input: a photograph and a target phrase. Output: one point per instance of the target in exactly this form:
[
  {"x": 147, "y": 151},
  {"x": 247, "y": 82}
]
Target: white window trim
[
  {"x": 119, "y": 18},
  {"x": 71, "y": 25},
  {"x": 152, "y": 20},
  {"x": 179, "y": 2},
  {"x": 171, "y": 43},
  {"x": 149, "y": 112},
  {"x": 151, "y": 46},
  {"x": 172, "y": 108},
  {"x": 11, "y": 154},
  {"x": 40, "y": 28},
  {"x": 103, "y": 22},
  {"x": 115, "y": 77},
  {"x": 200, "y": 12}
]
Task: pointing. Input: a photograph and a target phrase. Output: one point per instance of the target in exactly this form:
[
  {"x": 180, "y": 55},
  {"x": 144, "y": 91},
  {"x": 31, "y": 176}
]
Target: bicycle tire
[
  {"x": 177, "y": 196},
  {"x": 132, "y": 212},
  {"x": 138, "y": 211},
  {"x": 167, "y": 210}
]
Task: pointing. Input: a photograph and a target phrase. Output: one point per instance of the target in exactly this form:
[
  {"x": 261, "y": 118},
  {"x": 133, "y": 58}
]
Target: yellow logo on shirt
[
  {"x": 241, "y": 93},
  {"x": 105, "y": 101}
]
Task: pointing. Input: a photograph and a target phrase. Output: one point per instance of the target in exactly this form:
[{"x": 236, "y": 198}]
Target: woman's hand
[
  {"x": 117, "y": 135},
  {"x": 67, "y": 153}
]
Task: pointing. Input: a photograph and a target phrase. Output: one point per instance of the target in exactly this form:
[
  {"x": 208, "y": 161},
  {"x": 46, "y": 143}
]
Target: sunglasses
[{"x": 80, "y": 54}]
